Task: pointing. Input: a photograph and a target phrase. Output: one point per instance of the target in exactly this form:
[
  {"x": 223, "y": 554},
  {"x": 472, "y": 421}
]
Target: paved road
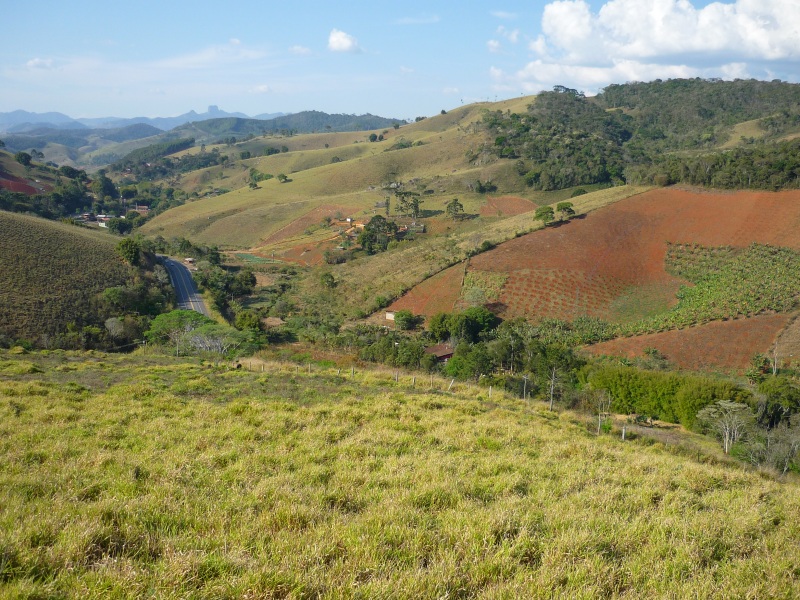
[{"x": 185, "y": 290}]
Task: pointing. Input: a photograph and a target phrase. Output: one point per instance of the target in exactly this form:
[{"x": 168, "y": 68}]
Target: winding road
[{"x": 185, "y": 290}]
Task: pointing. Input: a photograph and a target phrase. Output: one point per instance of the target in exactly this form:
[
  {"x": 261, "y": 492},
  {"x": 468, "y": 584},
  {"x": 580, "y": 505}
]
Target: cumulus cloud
[
  {"x": 300, "y": 50},
  {"x": 493, "y": 46},
  {"x": 339, "y": 41},
  {"x": 760, "y": 29},
  {"x": 262, "y": 89},
  {"x": 647, "y": 39}
]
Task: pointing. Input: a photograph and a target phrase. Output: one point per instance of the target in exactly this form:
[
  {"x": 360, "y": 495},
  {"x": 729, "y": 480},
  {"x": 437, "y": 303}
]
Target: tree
[
  {"x": 2, "y": 144},
  {"x": 174, "y": 326},
  {"x": 454, "y": 209},
  {"x": 405, "y": 320},
  {"x": 373, "y": 137},
  {"x": 247, "y": 319},
  {"x": 376, "y": 234},
  {"x": 120, "y": 226},
  {"x": 130, "y": 250},
  {"x": 730, "y": 421},
  {"x": 327, "y": 280},
  {"x": 553, "y": 381},
  {"x": 23, "y": 158},
  {"x": 408, "y": 203},
  {"x": 213, "y": 337},
  {"x": 545, "y": 214},
  {"x": 566, "y": 210},
  {"x": 282, "y": 177}
]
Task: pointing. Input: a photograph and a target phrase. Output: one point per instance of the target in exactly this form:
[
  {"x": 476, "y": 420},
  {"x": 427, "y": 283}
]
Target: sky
[{"x": 88, "y": 58}]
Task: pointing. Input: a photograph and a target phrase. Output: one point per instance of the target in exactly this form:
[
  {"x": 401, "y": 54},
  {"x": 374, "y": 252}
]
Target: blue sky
[{"x": 394, "y": 59}]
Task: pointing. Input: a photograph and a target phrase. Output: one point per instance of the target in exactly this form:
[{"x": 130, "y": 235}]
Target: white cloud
[
  {"x": 450, "y": 91},
  {"x": 642, "y": 40},
  {"x": 40, "y": 63},
  {"x": 262, "y": 89},
  {"x": 300, "y": 50},
  {"x": 754, "y": 29},
  {"x": 211, "y": 57},
  {"x": 339, "y": 41},
  {"x": 493, "y": 46},
  {"x": 512, "y": 35},
  {"x": 406, "y": 69}
]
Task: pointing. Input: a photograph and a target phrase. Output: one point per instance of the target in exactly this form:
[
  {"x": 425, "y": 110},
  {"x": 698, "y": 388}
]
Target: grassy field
[
  {"x": 137, "y": 476},
  {"x": 51, "y": 273}
]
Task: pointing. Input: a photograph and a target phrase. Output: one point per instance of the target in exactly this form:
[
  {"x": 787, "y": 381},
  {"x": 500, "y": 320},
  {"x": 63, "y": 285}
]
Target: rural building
[{"x": 442, "y": 352}]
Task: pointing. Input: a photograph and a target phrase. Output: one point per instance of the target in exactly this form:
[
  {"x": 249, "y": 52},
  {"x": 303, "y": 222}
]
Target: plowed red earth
[
  {"x": 583, "y": 266},
  {"x": 506, "y": 206},
  {"x": 610, "y": 264},
  {"x": 727, "y": 345},
  {"x": 436, "y": 294},
  {"x": 311, "y": 218},
  {"x": 15, "y": 184}
]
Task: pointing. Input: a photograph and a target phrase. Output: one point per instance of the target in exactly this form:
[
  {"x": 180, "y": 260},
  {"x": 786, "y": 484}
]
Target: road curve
[{"x": 185, "y": 290}]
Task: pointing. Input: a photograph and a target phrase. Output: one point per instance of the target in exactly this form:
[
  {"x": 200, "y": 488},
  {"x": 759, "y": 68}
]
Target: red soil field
[
  {"x": 15, "y": 184},
  {"x": 506, "y": 206},
  {"x": 581, "y": 267},
  {"x": 727, "y": 345},
  {"x": 611, "y": 264},
  {"x": 436, "y": 294},
  {"x": 307, "y": 254}
]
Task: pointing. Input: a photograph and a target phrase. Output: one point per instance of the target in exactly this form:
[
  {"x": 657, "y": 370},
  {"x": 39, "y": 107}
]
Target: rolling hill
[{"x": 52, "y": 275}]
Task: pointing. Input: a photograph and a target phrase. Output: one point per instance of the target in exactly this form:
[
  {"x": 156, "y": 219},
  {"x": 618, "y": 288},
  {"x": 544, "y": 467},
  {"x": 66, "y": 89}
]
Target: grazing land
[
  {"x": 52, "y": 275},
  {"x": 128, "y": 474}
]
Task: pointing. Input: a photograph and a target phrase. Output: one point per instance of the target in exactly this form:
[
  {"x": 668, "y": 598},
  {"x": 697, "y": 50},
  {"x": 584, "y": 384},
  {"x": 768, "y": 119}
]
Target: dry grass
[
  {"x": 126, "y": 477},
  {"x": 243, "y": 218}
]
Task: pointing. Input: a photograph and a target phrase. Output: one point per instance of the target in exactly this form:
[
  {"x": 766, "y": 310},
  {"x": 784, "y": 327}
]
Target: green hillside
[
  {"x": 52, "y": 276},
  {"x": 125, "y": 475}
]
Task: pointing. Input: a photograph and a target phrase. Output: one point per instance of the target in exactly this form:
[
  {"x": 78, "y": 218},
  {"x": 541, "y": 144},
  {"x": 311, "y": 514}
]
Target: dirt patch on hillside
[
  {"x": 436, "y": 294},
  {"x": 729, "y": 345},
  {"x": 506, "y": 206},
  {"x": 306, "y": 254},
  {"x": 16, "y": 184},
  {"x": 312, "y": 218}
]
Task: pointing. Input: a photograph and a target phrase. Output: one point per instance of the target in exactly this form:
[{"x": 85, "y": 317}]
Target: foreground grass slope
[
  {"x": 149, "y": 476},
  {"x": 51, "y": 274}
]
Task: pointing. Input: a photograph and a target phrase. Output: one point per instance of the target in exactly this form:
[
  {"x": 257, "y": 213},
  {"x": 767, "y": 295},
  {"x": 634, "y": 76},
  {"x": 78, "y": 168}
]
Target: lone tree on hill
[
  {"x": 545, "y": 214},
  {"x": 565, "y": 210},
  {"x": 454, "y": 209}
]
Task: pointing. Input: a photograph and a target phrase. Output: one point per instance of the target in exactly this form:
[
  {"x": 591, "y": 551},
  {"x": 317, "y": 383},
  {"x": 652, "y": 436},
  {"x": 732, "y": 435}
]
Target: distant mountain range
[{"x": 22, "y": 121}]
